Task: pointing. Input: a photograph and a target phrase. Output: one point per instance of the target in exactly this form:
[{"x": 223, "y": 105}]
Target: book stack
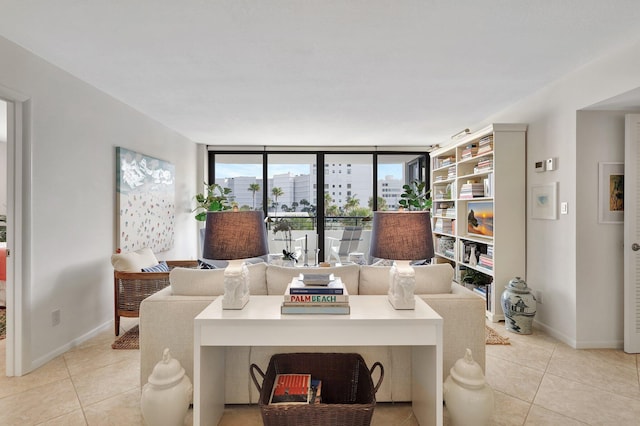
[
  {"x": 296, "y": 389},
  {"x": 485, "y": 145},
  {"x": 443, "y": 225},
  {"x": 485, "y": 164},
  {"x": 486, "y": 259},
  {"x": 316, "y": 294},
  {"x": 472, "y": 190},
  {"x": 469, "y": 151},
  {"x": 445, "y": 161},
  {"x": 451, "y": 172}
]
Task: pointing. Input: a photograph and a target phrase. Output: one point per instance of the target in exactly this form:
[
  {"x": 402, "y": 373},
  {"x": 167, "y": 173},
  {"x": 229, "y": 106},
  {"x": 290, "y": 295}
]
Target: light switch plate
[
  {"x": 551, "y": 164},
  {"x": 540, "y": 166},
  {"x": 564, "y": 208}
]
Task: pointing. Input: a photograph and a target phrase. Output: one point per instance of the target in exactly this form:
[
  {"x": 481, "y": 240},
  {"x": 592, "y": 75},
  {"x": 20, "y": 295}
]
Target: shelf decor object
[
  {"x": 401, "y": 236},
  {"x": 235, "y": 236}
]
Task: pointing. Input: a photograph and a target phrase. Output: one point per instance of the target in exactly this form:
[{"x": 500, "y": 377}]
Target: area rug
[
  {"x": 128, "y": 340},
  {"x": 3, "y": 323},
  {"x": 493, "y": 338}
]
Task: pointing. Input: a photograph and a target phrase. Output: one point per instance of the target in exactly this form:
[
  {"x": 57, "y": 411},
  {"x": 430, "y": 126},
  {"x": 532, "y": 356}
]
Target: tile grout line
[{"x": 64, "y": 358}]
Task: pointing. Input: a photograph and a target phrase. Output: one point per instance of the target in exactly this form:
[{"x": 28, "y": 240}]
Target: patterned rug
[
  {"x": 3, "y": 323},
  {"x": 493, "y": 338},
  {"x": 128, "y": 340}
]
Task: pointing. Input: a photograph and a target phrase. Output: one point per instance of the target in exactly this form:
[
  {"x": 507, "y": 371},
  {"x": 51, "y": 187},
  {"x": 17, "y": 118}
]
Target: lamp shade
[
  {"x": 231, "y": 235},
  {"x": 404, "y": 235}
]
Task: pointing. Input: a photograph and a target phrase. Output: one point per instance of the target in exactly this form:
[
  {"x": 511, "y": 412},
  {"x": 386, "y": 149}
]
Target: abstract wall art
[{"x": 145, "y": 202}]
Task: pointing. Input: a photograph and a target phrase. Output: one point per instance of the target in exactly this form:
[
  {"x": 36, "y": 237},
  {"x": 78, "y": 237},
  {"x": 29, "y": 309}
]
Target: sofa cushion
[
  {"x": 133, "y": 261},
  {"x": 430, "y": 279},
  {"x": 210, "y": 282},
  {"x": 160, "y": 267},
  {"x": 278, "y": 277}
]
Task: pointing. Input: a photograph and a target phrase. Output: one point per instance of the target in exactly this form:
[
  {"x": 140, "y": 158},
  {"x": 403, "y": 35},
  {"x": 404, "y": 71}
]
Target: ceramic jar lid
[
  {"x": 468, "y": 373},
  {"x": 167, "y": 372},
  {"x": 517, "y": 285}
]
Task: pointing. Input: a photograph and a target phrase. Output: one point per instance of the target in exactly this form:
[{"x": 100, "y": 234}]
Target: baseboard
[
  {"x": 39, "y": 362},
  {"x": 575, "y": 344}
]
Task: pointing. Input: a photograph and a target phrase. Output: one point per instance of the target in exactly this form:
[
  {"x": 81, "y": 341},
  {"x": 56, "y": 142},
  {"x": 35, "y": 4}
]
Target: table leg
[
  {"x": 208, "y": 371},
  {"x": 426, "y": 390}
]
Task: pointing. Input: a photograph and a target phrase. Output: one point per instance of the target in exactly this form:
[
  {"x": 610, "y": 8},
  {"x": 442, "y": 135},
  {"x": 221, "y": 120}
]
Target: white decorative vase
[
  {"x": 165, "y": 398},
  {"x": 469, "y": 399}
]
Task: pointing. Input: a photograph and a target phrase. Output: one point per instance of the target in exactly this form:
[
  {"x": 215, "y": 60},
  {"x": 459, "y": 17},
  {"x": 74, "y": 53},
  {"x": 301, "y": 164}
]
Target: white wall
[
  {"x": 600, "y": 284},
  {"x": 573, "y": 302},
  {"x": 74, "y": 131}
]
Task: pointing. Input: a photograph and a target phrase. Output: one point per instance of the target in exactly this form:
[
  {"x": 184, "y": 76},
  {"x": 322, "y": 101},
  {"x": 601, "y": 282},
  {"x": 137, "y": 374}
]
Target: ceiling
[{"x": 319, "y": 72}]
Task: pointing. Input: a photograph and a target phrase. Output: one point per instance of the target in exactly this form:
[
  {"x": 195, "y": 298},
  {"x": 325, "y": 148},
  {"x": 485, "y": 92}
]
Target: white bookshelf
[{"x": 499, "y": 175}]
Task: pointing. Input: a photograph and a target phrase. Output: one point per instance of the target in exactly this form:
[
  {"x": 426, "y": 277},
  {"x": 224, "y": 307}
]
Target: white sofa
[{"x": 166, "y": 321}]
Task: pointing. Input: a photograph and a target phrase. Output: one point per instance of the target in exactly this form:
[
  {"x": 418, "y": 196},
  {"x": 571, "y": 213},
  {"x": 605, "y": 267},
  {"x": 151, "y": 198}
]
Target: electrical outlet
[
  {"x": 538, "y": 295},
  {"x": 55, "y": 317}
]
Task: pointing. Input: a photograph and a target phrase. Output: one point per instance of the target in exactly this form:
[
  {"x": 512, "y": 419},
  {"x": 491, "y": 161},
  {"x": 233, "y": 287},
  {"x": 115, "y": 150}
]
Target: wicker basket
[{"x": 348, "y": 392}]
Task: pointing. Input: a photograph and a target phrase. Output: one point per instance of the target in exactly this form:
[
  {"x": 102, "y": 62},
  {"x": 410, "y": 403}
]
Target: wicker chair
[{"x": 130, "y": 288}]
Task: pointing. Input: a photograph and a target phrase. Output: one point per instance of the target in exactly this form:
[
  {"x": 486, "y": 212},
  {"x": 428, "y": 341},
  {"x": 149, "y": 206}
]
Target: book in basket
[
  {"x": 298, "y": 287},
  {"x": 291, "y": 389}
]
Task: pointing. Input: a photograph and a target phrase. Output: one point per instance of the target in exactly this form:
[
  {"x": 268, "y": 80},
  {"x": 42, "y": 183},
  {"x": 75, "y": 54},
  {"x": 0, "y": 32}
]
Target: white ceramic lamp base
[
  {"x": 402, "y": 284},
  {"x": 236, "y": 285}
]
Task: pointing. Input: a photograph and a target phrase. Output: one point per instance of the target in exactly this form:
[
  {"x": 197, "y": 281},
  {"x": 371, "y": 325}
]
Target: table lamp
[
  {"x": 235, "y": 236},
  {"x": 401, "y": 236}
]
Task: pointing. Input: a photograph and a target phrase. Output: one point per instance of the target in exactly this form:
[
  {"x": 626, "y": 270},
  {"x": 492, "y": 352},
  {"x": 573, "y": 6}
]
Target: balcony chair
[{"x": 339, "y": 248}]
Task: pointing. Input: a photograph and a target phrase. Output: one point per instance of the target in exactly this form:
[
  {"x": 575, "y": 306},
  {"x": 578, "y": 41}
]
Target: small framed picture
[
  {"x": 610, "y": 192},
  {"x": 544, "y": 201}
]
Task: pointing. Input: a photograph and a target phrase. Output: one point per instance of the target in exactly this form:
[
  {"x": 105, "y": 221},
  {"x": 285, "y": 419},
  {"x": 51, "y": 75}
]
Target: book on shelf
[
  {"x": 291, "y": 389},
  {"x": 334, "y": 287},
  {"x": 329, "y": 309}
]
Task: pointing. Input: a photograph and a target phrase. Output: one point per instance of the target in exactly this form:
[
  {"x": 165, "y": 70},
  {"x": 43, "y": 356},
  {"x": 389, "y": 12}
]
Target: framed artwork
[
  {"x": 544, "y": 201},
  {"x": 611, "y": 192},
  {"x": 145, "y": 202},
  {"x": 480, "y": 218}
]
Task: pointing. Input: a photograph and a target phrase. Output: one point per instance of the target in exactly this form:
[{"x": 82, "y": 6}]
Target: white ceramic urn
[
  {"x": 165, "y": 398},
  {"x": 469, "y": 399}
]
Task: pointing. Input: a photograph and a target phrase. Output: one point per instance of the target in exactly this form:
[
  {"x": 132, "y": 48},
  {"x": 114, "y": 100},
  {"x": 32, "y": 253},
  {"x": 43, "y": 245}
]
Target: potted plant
[
  {"x": 284, "y": 226},
  {"x": 415, "y": 196},
  {"x": 214, "y": 199}
]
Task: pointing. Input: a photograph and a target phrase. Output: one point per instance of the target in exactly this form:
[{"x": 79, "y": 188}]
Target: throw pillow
[
  {"x": 210, "y": 282},
  {"x": 133, "y": 261},
  {"x": 160, "y": 267},
  {"x": 430, "y": 279},
  {"x": 203, "y": 264}
]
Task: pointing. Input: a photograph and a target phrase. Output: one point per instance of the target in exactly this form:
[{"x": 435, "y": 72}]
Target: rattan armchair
[{"x": 130, "y": 288}]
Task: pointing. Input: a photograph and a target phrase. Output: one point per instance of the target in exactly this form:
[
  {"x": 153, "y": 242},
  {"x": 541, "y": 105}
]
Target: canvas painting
[
  {"x": 145, "y": 201},
  {"x": 480, "y": 218}
]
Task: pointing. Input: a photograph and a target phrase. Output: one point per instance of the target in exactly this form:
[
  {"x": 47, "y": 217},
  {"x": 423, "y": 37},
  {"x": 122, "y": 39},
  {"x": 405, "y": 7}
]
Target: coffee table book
[
  {"x": 329, "y": 309},
  {"x": 315, "y": 298},
  {"x": 291, "y": 389}
]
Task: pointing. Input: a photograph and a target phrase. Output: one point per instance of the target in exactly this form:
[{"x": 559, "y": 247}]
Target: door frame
[{"x": 18, "y": 184}]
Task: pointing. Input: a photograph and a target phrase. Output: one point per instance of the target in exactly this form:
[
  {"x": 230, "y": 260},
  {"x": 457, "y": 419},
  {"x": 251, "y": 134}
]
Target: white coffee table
[{"x": 372, "y": 322}]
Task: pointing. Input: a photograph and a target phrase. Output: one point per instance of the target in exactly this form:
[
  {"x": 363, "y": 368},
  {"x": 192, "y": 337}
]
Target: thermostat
[{"x": 540, "y": 165}]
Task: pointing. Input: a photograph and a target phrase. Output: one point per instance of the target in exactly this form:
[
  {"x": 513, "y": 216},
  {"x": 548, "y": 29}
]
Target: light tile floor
[{"x": 536, "y": 381}]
